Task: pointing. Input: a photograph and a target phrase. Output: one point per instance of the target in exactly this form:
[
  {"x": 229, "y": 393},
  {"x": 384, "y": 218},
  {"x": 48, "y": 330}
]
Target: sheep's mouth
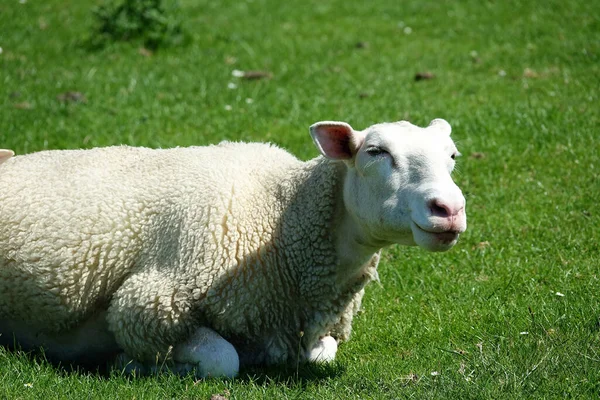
[{"x": 445, "y": 237}]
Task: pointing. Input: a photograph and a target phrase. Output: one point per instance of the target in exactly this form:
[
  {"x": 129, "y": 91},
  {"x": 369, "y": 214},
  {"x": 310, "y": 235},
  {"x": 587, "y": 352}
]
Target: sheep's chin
[{"x": 433, "y": 241}]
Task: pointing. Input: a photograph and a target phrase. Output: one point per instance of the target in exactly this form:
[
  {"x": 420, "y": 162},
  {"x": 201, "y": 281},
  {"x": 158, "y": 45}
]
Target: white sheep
[{"x": 205, "y": 258}]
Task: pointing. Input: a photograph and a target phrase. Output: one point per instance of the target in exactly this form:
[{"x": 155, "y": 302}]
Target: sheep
[{"x": 208, "y": 259}]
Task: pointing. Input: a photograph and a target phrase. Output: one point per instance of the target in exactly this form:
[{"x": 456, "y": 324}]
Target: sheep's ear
[
  {"x": 336, "y": 140},
  {"x": 5, "y": 155},
  {"x": 441, "y": 125}
]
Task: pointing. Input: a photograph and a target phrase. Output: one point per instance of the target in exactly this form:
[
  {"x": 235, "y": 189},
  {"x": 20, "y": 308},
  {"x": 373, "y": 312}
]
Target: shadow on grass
[
  {"x": 39, "y": 359},
  {"x": 280, "y": 375},
  {"x": 288, "y": 376}
]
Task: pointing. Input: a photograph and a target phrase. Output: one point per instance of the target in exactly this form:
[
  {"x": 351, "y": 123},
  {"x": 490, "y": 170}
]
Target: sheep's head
[{"x": 398, "y": 186}]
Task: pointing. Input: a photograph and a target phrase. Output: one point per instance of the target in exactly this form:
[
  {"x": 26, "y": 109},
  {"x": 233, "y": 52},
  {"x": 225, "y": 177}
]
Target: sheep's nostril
[{"x": 439, "y": 209}]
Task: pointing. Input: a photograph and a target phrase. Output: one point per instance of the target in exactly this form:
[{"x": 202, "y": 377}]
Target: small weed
[{"x": 148, "y": 21}]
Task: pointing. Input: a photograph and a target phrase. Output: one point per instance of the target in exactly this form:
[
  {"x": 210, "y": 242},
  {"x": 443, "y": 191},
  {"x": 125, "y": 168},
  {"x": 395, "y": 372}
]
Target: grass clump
[{"x": 146, "y": 20}]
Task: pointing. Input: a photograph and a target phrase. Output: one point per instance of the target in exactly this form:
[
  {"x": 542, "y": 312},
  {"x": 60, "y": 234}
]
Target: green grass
[{"x": 518, "y": 80}]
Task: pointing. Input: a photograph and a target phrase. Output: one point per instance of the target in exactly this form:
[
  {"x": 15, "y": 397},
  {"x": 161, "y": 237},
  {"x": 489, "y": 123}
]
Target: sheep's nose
[
  {"x": 442, "y": 209},
  {"x": 448, "y": 215}
]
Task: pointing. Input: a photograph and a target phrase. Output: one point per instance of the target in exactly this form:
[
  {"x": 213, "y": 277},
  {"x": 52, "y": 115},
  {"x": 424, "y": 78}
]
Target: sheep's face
[{"x": 398, "y": 186}]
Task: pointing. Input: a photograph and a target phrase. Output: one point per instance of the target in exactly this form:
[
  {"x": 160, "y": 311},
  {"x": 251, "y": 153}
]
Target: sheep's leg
[
  {"x": 148, "y": 314},
  {"x": 208, "y": 353},
  {"x": 326, "y": 348},
  {"x": 343, "y": 329},
  {"x": 151, "y": 318},
  {"x": 205, "y": 352}
]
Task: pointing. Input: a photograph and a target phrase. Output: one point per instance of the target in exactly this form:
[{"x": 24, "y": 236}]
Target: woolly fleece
[{"x": 162, "y": 242}]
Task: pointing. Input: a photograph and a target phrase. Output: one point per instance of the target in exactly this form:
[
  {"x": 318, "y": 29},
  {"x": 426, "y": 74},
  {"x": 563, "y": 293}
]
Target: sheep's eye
[
  {"x": 375, "y": 151},
  {"x": 454, "y": 155}
]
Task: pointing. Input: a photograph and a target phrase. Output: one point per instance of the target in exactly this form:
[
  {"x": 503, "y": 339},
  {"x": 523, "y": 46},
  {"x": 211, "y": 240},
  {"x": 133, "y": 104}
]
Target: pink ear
[
  {"x": 5, "y": 155},
  {"x": 335, "y": 140}
]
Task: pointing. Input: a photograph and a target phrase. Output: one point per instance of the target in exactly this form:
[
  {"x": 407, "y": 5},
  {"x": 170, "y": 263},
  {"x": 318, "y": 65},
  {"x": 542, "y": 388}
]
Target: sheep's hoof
[
  {"x": 208, "y": 354},
  {"x": 324, "y": 350}
]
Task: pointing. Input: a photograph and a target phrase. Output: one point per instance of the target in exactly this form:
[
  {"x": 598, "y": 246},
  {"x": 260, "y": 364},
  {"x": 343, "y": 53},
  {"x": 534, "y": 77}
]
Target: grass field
[{"x": 511, "y": 312}]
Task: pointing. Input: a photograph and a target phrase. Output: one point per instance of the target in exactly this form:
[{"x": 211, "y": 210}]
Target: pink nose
[
  {"x": 441, "y": 209},
  {"x": 451, "y": 214}
]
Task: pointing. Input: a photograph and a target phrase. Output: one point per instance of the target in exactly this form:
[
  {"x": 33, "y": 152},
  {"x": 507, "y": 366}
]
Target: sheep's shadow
[
  {"x": 289, "y": 376},
  {"x": 37, "y": 356}
]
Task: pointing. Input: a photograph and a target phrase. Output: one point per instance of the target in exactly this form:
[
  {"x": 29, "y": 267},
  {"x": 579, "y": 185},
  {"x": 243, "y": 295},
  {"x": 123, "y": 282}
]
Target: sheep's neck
[
  {"x": 318, "y": 195},
  {"x": 355, "y": 251},
  {"x": 355, "y": 248}
]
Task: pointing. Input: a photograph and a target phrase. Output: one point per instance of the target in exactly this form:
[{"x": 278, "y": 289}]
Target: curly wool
[{"x": 236, "y": 237}]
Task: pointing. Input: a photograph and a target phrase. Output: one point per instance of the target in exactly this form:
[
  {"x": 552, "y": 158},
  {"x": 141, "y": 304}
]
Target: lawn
[{"x": 511, "y": 312}]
